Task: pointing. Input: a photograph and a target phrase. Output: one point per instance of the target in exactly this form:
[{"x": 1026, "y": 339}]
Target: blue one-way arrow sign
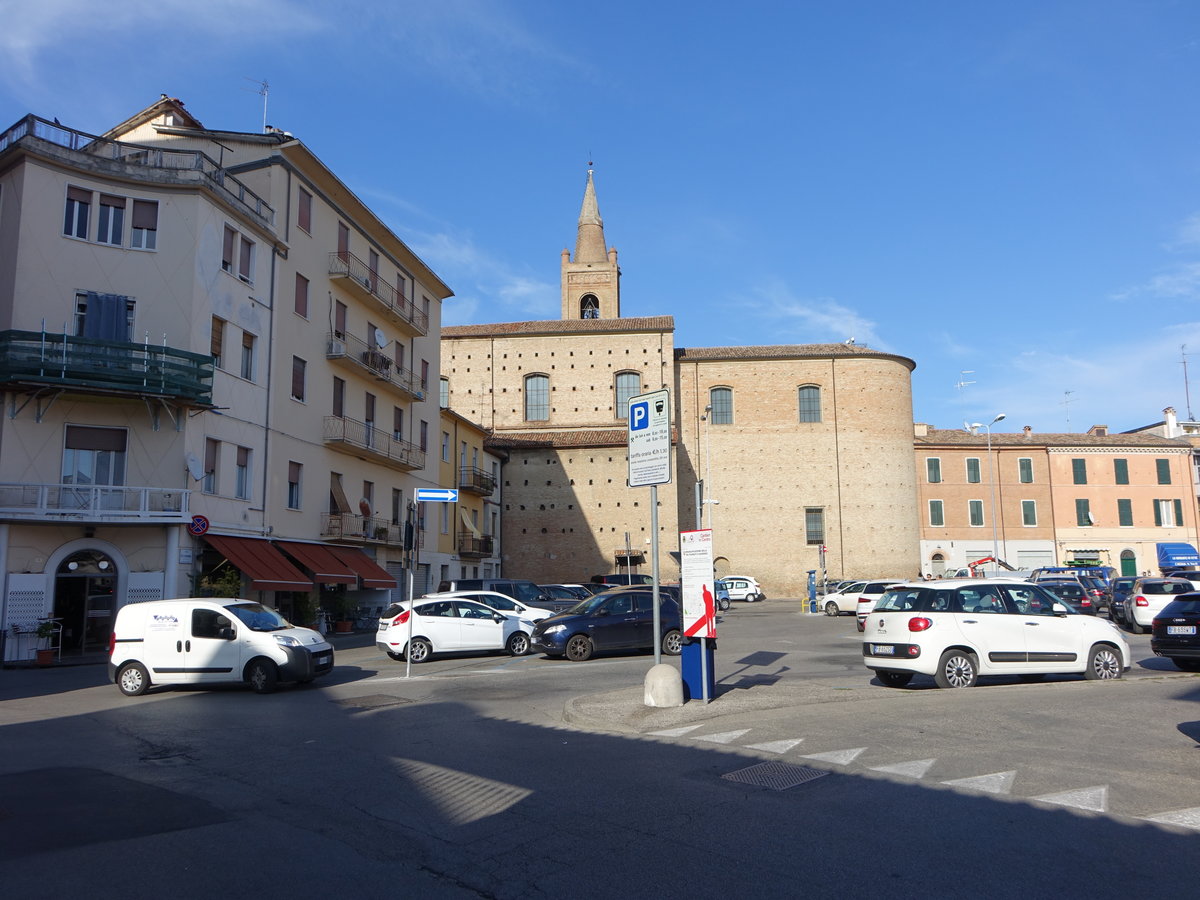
[{"x": 437, "y": 495}]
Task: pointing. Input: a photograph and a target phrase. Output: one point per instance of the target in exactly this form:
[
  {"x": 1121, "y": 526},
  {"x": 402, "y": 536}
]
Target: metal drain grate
[
  {"x": 372, "y": 701},
  {"x": 778, "y": 776}
]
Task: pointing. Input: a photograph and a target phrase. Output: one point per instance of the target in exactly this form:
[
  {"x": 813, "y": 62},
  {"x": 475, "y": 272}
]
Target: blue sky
[{"x": 1006, "y": 189}]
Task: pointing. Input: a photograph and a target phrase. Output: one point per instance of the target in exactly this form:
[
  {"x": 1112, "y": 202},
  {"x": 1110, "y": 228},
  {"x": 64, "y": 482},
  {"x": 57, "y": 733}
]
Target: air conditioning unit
[{"x": 336, "y": 348}]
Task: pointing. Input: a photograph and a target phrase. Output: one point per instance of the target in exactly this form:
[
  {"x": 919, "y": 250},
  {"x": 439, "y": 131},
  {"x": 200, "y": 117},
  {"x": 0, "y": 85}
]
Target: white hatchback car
[
  {"x": 843, "y": 600},
  {"x": 960, "y": 630},
  {"x": 502, "y": 603},
  {"x": 742, "y": 587},
  {"x": 450, "y": 624},
  {"x": 868, "y": 596}
]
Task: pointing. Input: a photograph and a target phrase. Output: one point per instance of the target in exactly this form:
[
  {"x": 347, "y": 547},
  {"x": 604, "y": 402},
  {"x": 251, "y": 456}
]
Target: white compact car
[
  {"x": 742, "y": 587},
  {"x": 844, "y": 600},
  {"x": 960, "y": 630},
  {"x": 502, "y": 603},
  {"x": 1147, "y": 598},
  {"x": 450, "y": 624},
  {"x": 869, "y": 595}
]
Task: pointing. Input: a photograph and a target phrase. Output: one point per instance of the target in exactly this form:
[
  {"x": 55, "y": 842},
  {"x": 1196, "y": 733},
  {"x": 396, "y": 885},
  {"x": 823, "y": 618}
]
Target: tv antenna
[
  {"x": 263, "y": 90},
  {"x": 1067, "y": 401},
  {"x": 962, "y": 382},
  {"x": 1187, "y": 394}
]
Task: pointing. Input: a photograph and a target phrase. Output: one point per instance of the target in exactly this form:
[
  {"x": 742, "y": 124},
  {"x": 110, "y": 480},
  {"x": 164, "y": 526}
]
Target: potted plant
[
  {"x": 45, "y": 652},
  {"x": 305, "y": 609},
  {"x": 342, "y": 608}
]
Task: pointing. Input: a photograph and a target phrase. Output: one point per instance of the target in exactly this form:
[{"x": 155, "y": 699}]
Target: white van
[{"x": 211, "y": 641}]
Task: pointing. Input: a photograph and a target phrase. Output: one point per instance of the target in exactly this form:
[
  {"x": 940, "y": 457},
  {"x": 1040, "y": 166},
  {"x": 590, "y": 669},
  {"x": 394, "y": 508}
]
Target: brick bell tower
[{"x": 591, "y": 283}]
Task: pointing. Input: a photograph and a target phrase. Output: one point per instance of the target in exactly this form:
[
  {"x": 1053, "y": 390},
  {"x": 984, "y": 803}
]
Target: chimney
[
  {"x": 1098, "y": 431},
  {"x": 920, "y": 429},
  {"x": 1170, "y": 423},
  {"x": 1028, "y": 430}
]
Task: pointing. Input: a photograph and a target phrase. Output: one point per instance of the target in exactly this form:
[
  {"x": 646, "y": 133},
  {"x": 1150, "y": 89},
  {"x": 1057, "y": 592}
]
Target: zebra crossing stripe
[
  {"x": 1188, "y": 818},
  {"x": 837, "y": 757},
  {"x": 1093, "y": 798},
  {"x": 915, "y": 769},
  {"x": 674, "y": 732},
  {"x": 725, "y": 737},
  {"x": 996, "y": 783},
  {"x": 775, "y": 746}
]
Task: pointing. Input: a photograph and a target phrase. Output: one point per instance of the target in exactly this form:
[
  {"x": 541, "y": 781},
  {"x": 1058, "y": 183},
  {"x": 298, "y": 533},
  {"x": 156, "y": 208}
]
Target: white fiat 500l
[{"x": 960, "y": 630}]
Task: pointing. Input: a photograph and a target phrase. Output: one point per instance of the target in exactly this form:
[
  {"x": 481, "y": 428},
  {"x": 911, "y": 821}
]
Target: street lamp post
[
  {"x": 707, "y": 419},
  {"x": 992, "y": 486}
]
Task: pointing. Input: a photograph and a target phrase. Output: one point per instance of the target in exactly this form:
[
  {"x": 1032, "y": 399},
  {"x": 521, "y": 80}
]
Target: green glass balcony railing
[{"x": 87, "y": 365}]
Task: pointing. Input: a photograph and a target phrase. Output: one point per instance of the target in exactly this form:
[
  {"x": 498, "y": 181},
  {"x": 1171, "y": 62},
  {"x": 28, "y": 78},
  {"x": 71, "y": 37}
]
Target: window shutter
[
  {"x": 243, "y": 456},
  {"x": 1164, "y": 470},
  {"x": 1157, "y": 513},
  {"x": 294, "y": 472},
  {"x": 1179, "y": 513},
  {"x": 79, "y": 195},
  {"x": 145, "y": 214}
]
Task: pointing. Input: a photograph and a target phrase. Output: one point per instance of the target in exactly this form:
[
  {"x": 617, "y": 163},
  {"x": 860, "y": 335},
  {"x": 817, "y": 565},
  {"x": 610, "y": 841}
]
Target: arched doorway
[
  {"x": 937, "y": 565},
  {"x": 721, "y": 567},
  {"x": 85, "y": 600},
  {"x": 1128, "y": 563}
]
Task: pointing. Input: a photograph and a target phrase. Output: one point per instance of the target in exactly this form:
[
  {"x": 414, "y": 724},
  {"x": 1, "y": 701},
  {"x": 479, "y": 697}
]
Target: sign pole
[
  {"x": 654, "y": 572},
  {"x": 410, "y": 538}
]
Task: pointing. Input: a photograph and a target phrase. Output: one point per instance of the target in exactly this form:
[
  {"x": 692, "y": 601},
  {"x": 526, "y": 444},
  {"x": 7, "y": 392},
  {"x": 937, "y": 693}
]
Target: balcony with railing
[
  {"x": 357, "y": 355},
  {"x": 365, "y": 283},
  {"x": 476, "y": 481},
  {"x": 161, "y": 163},
  {"x": 355, "y": 529},
  {"x": 96, "y": 503},
  {"x": 473, "y": 545},
  {"x": 368, "y": 441},
  {"x": 33, "y": 360}
]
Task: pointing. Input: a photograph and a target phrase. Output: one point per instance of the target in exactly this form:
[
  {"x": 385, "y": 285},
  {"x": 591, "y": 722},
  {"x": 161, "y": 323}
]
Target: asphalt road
[{"x": 500, "y": 777}]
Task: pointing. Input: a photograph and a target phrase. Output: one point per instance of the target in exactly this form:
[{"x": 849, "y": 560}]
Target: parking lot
[{"x": 478, "y": 774}]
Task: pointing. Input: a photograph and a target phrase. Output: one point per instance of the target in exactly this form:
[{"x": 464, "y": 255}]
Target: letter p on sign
[{"x": 639, "y": 416}]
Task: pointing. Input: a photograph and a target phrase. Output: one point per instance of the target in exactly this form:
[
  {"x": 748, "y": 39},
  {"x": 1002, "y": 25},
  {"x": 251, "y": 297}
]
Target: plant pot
[
  {"x": 343, "y": 626},
  {"x": 45, "y": 657}
]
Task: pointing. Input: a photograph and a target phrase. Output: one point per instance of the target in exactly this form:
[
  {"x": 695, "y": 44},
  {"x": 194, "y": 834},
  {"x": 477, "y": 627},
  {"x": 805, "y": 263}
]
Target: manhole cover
[
  {"x": 778, "y": 776},
  {"x": 372, "y": 701}
]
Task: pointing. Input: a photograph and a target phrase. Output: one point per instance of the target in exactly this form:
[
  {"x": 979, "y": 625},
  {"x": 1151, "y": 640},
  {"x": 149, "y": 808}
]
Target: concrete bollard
[{"x": 664, "y": 686}]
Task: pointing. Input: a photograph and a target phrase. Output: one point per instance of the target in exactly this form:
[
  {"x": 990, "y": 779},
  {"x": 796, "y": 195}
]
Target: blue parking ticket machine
[
  {"x": 696, "y": 664},
  {"x": 812, "y": 590}
]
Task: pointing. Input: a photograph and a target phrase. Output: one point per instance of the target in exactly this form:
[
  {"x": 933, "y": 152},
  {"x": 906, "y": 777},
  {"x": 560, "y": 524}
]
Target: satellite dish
[
  {"x": 380, "y": 340},
  {"x": 364, "y": 507},
  {"x": 194, "y": 466}
]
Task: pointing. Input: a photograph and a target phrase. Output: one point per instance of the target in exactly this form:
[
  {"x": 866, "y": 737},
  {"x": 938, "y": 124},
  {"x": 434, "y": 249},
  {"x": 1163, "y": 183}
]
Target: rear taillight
[
  {"x": 112, "y": 642},
  {"x": 1085, "y": 602},
  {"x": 1140, "y": 601},
  {"x": 919, "y": 623},
  {"x": 401, "y": 619}
]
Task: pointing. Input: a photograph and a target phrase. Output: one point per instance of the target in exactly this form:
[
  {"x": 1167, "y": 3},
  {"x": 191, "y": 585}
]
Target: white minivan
[{"x": 211, "y": 640}]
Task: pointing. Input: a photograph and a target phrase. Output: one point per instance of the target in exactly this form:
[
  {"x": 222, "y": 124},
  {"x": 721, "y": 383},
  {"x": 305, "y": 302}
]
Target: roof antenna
[
  {"x": 263, "y": 90},
  {"x": 1067, "y": 401},
  {"x": 1186, "y": 392}
]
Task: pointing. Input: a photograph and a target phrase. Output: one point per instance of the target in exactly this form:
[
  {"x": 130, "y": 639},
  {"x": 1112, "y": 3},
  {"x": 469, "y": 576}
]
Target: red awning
[
  {"x": 326, "y": 568},
  {"x": 372, "y": 574},
  {"x": 266, "y": 567}
]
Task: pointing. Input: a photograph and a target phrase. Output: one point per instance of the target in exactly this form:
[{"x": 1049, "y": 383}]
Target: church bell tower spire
[{"x": 591, "y": 281}]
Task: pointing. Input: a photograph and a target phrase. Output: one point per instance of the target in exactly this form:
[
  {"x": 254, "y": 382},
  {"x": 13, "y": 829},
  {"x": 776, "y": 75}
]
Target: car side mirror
[
  {"x": 497, "y": 618},
  {"x": 225, "y": 634},
  {"x": 602, "y": 612},
  {"x": 1059, "y": 609}
]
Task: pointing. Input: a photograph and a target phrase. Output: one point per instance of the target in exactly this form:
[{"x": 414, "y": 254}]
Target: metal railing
[
  {"x": 471, "y": 478},
  {"x": 340, "y": 345},
  {"x": 367, "y": 436},
  {"x": 95, "y": 366},
  {"x": 123, "y": 157},
  {"x": 470, "y": 544},
  {"x": 346, "y": 265},
  {"x": 93, "y": 502},
  {"x": 365, "y": 529}
]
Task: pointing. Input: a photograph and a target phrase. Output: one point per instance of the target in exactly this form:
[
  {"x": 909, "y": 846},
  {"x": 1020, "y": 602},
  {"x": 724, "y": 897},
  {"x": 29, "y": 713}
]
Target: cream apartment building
[
  {"x": 214, "y": 357},
  {"x": 802, "y": 447},
  {"x": 1053, "y": 499}
]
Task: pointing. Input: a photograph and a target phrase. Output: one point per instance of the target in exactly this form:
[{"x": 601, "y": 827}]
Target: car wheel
[
  {"x": 419, "y": 650},
  {"x": 957, "y": 669},
  {"x": 1186, "y": 665},
  {"x": 262, "y": 675},
  {"x": 1104, "y": 664},
  {"x": 723, "y": 604},
  {"x": 1135, "y": 628},
  {"x": 672, "y": 643},
  {"x": 133, "y": 680},
  {"x": 579, "y": 648},
  {"x": 894, "y": 679},
  {"x": 518, "y": 644},
  {"x": 831, "y": 609}
]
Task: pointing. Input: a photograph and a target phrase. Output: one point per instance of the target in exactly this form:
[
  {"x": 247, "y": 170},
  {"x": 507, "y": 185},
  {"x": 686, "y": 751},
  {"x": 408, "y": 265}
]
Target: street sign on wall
[
  {"x": 650, "y": 439},
  {"x": 437, "y": 495},
  {"x": 696, "y": 576}
]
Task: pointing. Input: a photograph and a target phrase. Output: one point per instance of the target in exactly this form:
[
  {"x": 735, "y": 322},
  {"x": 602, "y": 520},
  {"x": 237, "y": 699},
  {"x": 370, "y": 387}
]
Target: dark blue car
[{"x": 618, "y": 619}]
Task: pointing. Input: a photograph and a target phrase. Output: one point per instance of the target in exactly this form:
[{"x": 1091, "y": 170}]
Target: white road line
[
  {"x": 775, "y": 746},
  {"x": 837, "y": 757},
  {"x": 725, "y": 737},
  {"x": 1093, "y": 798},
  {"x": 674, "y": 732},
  {"x": 996, "y": 783},
  {"x": 1188, "y": 818},
  {"x": 914, "y": 769}
]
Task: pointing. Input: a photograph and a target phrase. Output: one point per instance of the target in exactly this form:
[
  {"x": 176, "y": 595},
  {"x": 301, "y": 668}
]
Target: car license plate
[
  {"x": 1181, "y": 629},
  {"x": 883, "y": 650}
]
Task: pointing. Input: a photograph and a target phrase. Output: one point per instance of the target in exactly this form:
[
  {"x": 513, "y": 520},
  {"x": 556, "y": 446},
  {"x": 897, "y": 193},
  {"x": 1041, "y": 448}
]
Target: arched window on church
[
  {"x": 628, "y": 384},
  {"x": 537, "y": 398},
  {"x": 721, "y": 401},
  {"x": 810, "y": 403},
  {"x": 589, "y": 307}
]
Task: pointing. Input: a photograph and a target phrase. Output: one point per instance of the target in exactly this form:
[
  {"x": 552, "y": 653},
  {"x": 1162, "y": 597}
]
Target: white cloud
[
  {"x": 1182, "y": 282},
  {"x": 813, "y": 320}
]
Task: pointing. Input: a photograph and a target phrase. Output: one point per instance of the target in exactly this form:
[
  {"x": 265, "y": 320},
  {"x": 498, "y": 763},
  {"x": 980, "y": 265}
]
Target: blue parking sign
[{"x": 639, "y": 415}]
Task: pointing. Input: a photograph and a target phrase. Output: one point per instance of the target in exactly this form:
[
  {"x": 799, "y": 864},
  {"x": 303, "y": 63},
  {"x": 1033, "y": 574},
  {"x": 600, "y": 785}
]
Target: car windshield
[
  {"x": 590, "y": 604},
  {"x": 1188, "y": 607},
  {"x": 257, "y": 617},
  {"x": 499, "y": 601},
  {"x": 526, "y": 592}
]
